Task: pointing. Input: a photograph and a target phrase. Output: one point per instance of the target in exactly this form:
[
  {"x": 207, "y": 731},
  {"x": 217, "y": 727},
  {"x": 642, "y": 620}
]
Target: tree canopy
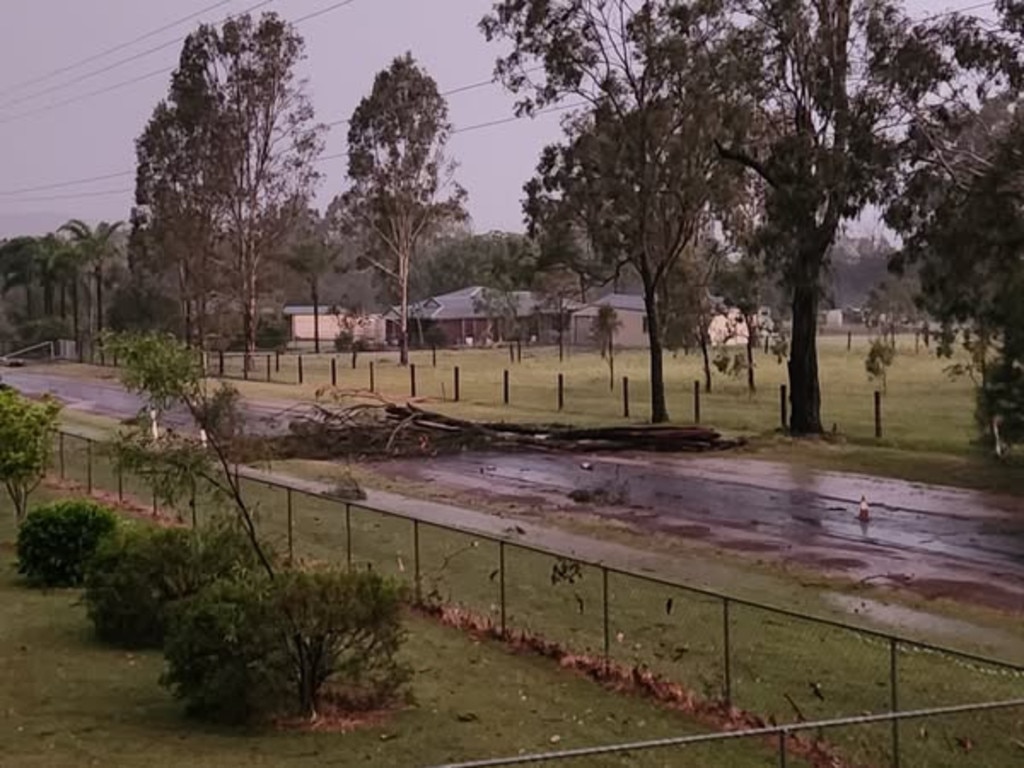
[{"x": 402, "y": 185}]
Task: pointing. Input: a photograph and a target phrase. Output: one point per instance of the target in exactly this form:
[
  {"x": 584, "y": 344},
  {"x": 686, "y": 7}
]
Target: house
[
  {"x": 630, "y": 312},
  {"x": 331, "y": 321},
  {"x": 478, "y": 316},
  {"x": 727, "y": 326}
]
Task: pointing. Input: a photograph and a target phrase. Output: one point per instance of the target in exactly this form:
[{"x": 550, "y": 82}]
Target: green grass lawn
[
  {"x": 66, "y": 701},
  {"x": 774, "y": 660}
]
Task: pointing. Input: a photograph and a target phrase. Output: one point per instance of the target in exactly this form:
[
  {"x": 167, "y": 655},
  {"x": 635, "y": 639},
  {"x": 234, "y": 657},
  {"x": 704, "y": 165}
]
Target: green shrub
[
  {"x": 252, "y": 648},
  {"x": 56, "y": 541},
  {"x": 136, "y": 576}
]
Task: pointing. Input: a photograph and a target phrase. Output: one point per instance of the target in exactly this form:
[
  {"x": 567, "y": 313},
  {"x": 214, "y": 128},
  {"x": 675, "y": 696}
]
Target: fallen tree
[{"x": 383, "y": 429}]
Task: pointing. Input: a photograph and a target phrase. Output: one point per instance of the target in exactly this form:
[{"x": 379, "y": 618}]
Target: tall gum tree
[
  {"x": 637, "y": 171},
  {"x": 835, "y": 82},
  {"x": 402, "y": 186},
  {"x": 238, "y": 111}
]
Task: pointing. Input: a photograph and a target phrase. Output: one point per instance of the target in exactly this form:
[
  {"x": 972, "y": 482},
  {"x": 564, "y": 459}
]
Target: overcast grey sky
[{"x": 345, "y": 48}]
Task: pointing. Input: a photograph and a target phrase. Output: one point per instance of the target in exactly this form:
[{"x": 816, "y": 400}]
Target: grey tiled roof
[
  {"x": 465, "y": 304},
  {"x": 620, "y": 302}
]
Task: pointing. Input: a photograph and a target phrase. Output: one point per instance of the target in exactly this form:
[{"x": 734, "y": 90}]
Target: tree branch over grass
[{"x": 169, "y": 376}]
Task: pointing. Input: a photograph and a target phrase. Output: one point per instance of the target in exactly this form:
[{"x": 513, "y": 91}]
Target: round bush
[
  {"x": 136, "y": 576},
  {"x": 249, "y": 648},
  {"x": 56, "y": 541}
]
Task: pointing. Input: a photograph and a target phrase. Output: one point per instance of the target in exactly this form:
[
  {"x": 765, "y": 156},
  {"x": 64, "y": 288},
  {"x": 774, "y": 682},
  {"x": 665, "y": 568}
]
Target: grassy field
[
  {"x": 774, "y": 660},
  {"x": 923, "y": 409},
  {"x": 67, "y": 701}
]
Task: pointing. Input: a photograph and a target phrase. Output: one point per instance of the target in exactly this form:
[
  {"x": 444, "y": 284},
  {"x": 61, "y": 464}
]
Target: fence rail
[
  {"x": 782, "y": 733},
  {"x": 744, "y": 653}
]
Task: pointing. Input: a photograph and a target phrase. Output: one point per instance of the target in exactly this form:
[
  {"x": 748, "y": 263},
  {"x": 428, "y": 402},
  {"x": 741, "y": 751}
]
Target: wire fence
[
  {"x": 788, "y": 667},
  {"x": 536, "y": 382},
  {"x": 781, "y": 735}
]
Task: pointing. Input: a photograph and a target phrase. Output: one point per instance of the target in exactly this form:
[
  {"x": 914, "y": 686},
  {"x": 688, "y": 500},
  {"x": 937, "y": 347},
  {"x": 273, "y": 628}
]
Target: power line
[
  {"x": 119, "y": 63},
  {"x": 104, "y": 177},
  {"x": 131, "y": 81},
  {"x": 321, "y": 159},
  {"x": 114, "y": 49}
]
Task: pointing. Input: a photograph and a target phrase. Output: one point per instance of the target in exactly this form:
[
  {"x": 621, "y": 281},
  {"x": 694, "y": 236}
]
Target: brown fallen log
[{"x": 388, "y": 429}]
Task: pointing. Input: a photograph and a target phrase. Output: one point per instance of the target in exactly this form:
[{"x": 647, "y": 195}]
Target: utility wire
[
  {"x": 164, "y": 70},
  {"x": 344, "y": 121},
  {"x": 321, "y": 159},
  {"x": 114, "y": 49},
  {"x": 122, "y": 174},
  {"x": 120, "y": 62}
]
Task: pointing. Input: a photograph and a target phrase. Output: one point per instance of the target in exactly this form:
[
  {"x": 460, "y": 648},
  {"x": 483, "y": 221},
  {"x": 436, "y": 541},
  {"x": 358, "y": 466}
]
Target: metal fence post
[
  {"x": 268, "y": 367},
  {"x": 348, "y": 534},
  {"x": 625, "y": 397},
  {"x": 220, "y": 363},
  {"x": 373, "y": 387},
  {"x": 60, "y": 450},
  {"x": 412, "y": 379},
  {"x": 455, "y": 382},
  {"x": 878, "y": 415},
  {"x": 88, "y": 466},
  {"x": 561, "y": 391},
  {"x": 894, "y": 698},
  {"x": 511, "y": 353},
  {"x": 607, "y": 622},
  {"x": 726, "y": 650},
  {"x": 334, "y": 371},
  {"x": 501, "y": 584},
  {"x": 416, "y": 560},
  {"x": 504, "y": 386},
  {"x": 433, "y": 355},
  {"x": 154, "y": 501},
  {"x": 696, "y": 402},
  {"x": 245, "y": 366},
  {"x": 291, "y": 527},
  {"x": 277, "y": 361},
  {"x": 782, "y": 748}
]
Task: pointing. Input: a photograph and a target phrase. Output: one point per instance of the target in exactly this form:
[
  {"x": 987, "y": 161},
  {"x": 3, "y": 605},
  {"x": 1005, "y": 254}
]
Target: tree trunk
[
  {"x": 74, "y": 318},
  {"x": 98, "y": 277},
  {"x": 752, "y": 343},
  {"x": 251, "y": 315},
  {"x": 315, "y": 295},
  {"x": 611, "y": 364},
  {"x": 805, "y": 392},
  {"x": 659, "y": 409},
  {"x": 403, "y": 327},
  {"x": 705, "y": 344}
]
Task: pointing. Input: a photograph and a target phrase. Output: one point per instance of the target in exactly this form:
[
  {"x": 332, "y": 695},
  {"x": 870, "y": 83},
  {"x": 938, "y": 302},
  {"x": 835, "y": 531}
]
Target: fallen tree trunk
[{"x": 388, "y": 429}]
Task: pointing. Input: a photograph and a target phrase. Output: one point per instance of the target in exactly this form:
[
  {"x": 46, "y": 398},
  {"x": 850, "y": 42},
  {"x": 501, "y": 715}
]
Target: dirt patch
[
  {"x": 830, "y": 563},
  {"x": 968, "y": 591},
  {"x": 750, "y": 546}
]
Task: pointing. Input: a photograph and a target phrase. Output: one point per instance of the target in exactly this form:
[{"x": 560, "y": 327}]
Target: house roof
[
  {"x": 620, "y": 302},
  {"x": 326, "y": 308},
  {"x": 467, "y": 304}
]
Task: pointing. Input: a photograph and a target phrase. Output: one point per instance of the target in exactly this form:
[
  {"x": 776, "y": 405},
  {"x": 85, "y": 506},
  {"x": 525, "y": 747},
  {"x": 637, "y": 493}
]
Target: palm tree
[
  {"x": 18, "y": 269},
  {"x": 95, "y": 248}
]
